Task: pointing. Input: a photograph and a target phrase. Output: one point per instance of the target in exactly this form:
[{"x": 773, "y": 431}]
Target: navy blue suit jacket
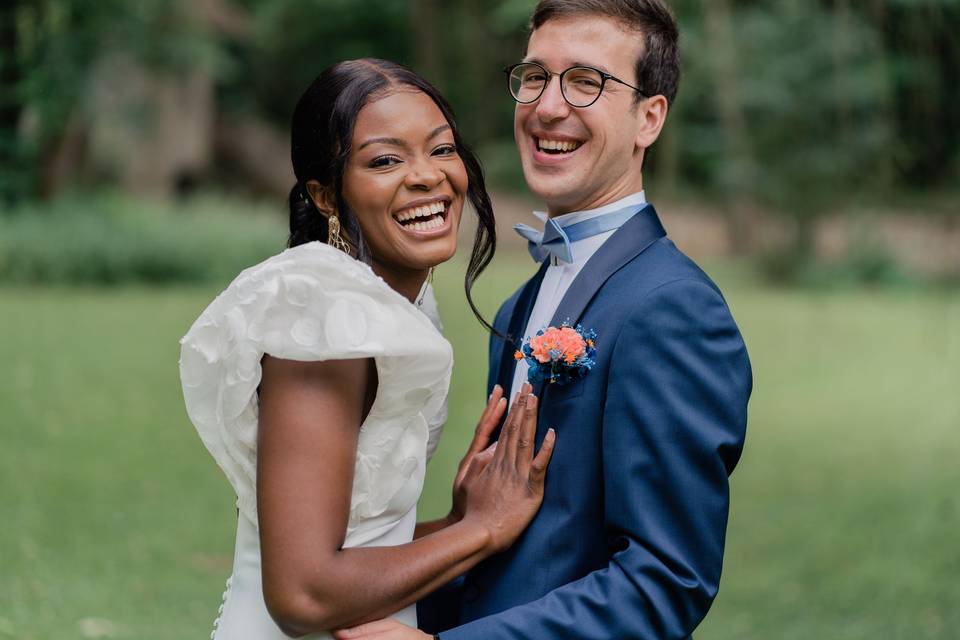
[{"x": 629, "y": 540}]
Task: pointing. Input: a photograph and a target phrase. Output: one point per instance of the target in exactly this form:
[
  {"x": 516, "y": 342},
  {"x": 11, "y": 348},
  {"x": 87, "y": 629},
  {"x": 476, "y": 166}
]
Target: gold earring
[{"x": 334, "y": 239}]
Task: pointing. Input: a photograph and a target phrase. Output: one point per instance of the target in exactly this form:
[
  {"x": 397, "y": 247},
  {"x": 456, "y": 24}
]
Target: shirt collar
[
  {"x": 574, "y": 217},
  {"x": 639, "y": 199}
]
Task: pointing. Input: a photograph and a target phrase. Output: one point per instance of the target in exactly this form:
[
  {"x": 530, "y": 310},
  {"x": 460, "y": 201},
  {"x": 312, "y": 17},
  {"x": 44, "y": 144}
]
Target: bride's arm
[{"x": 309, "y": 420}]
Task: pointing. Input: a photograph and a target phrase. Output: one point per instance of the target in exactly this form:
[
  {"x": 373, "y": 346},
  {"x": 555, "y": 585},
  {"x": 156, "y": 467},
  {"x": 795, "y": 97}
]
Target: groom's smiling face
[{"x": 607, "y": 138}]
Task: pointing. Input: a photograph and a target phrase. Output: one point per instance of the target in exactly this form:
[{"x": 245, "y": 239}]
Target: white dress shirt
[{"x": 560, "y": 275}]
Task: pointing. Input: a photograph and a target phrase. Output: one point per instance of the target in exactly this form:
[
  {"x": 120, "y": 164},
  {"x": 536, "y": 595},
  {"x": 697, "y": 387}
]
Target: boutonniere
[{"x": 559, "y": 355}]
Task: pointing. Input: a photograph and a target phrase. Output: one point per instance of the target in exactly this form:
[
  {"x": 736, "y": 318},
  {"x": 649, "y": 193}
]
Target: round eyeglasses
[{"x": 579, "y": 86}]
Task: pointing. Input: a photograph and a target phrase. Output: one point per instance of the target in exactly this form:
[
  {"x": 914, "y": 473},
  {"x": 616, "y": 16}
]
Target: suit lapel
[
  {"x": 629, "y": 241},
  {"x": 518, "y": 322}
]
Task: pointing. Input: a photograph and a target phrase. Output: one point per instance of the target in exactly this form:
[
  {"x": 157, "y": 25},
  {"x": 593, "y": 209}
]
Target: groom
[{"x": 629, "y": 540}]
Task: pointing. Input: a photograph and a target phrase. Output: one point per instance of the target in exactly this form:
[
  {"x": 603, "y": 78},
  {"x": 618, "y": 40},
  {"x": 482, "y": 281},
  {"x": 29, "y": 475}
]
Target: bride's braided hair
[{"x": 321, "y": 136}]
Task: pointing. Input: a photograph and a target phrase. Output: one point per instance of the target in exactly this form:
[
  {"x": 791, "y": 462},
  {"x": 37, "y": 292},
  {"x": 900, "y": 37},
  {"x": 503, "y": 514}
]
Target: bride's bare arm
[{"x": 309, "y": 420}]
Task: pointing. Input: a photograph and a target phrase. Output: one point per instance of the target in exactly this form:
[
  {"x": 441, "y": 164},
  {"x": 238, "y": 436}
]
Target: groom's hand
[
  {"x": 478, "y": 453},
  {"x": 386, "y": 629}
]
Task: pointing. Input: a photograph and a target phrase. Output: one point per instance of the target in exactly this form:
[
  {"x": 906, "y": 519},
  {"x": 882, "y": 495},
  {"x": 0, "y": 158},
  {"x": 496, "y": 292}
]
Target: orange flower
[
  {"x": 558, "y": 344},
  {"x": 518, "y": 355}
]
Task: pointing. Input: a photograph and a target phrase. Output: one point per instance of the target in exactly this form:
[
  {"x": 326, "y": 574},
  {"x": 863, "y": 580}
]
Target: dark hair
[
  {"x": 658, "y": 67},
  {"x": 321, "y": 137}
]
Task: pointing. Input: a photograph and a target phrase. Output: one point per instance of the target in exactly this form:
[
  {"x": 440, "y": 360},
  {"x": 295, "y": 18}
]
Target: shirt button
[{"x": 471, "y": 593}]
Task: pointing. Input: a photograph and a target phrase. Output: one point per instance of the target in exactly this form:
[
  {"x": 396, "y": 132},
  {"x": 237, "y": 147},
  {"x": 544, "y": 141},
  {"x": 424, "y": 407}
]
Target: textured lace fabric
[{"x": 313, "y": 303}]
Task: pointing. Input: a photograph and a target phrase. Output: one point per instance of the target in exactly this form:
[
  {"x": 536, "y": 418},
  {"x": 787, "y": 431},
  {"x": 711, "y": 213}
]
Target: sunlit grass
[{"x": 116, "y": 521}]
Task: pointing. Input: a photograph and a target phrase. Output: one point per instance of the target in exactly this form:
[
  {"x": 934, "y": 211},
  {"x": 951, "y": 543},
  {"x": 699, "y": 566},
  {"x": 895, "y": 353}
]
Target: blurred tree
[
  {"x": 737, "y": 173},
  {"x": 301, "y": 38},
  {"x": 921, "y": 37},
  {"x": 87, "y": 68},
  {"x": 795, "y": 105},
  {"x": 424, "y": 25},
  {"x": 55, "y": 42},
  {"x": 14, "y": 176},
  {"x": 814, "y": 123}
]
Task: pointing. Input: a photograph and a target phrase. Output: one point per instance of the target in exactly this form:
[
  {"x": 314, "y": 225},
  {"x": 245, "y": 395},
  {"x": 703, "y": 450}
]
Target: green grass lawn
[{"x": 114, "y": 521}]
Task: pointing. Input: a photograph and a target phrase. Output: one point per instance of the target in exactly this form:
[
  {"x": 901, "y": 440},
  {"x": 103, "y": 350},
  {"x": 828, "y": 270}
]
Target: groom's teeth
[{"x": 556, "y": 145}]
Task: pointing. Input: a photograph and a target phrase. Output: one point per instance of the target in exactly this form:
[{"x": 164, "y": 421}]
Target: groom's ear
[
  {"x": 651, "y": 116},
  {"x": 322, "y": 196}
]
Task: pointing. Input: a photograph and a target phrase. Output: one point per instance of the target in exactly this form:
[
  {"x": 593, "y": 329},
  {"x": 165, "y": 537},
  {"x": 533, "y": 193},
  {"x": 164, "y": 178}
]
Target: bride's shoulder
[
  {"x": 311, "y": 276},
  {"x": 314, "y": 262},
  {"x": 309, "y": 302}
]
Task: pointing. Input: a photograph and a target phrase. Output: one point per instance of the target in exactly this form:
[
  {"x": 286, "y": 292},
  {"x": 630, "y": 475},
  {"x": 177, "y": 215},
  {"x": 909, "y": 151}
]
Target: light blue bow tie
[{"x": 555, "y": 239}]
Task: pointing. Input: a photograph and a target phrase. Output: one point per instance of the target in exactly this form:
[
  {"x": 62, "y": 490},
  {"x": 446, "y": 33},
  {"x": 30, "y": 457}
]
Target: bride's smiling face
[{"x": 405, "y": 181}]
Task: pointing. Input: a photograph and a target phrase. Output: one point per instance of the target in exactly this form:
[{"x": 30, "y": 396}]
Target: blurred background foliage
[{"x": 790, "y": 112}]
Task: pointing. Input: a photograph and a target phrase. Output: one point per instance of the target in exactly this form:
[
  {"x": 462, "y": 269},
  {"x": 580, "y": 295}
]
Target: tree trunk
[
  {"x": 478, "y": 122},
  {"x": 11, "y": 183},
  {"x": 426, "y": 51},
  {"x": 841, "y": 65},
  {"x": 886, "y": 168},
  {"x": 738, "y": 164}
]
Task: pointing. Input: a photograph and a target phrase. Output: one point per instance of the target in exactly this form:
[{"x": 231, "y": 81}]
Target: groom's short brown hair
[{"x": 658, "y": 67}]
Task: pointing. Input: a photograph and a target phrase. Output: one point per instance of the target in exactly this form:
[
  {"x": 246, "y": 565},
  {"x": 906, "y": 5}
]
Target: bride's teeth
[{"x": 432, "y": 215}]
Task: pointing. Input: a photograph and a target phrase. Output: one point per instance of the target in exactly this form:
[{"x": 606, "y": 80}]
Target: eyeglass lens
[{"x": 580, "y": 86}]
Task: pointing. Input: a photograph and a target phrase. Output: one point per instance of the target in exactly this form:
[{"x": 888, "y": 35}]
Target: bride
[{"x": 318, "y": 378}]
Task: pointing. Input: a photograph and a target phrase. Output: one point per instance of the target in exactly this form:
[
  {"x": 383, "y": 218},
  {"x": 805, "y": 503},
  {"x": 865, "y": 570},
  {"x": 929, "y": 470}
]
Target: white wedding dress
[{"x": 312, "y": 303}]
